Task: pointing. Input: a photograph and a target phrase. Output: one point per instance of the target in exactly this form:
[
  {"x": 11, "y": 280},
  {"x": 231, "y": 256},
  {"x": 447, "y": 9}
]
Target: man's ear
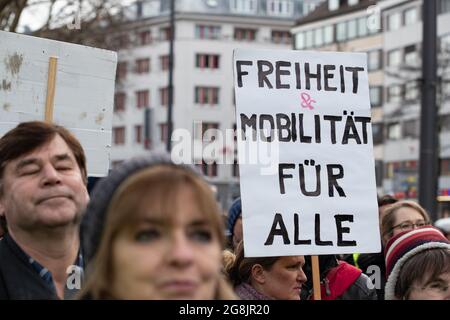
[{"x": 258, "y": 274}]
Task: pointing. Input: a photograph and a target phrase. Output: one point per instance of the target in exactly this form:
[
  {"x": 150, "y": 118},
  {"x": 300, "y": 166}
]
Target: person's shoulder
[{"x": 363, "y": 288}]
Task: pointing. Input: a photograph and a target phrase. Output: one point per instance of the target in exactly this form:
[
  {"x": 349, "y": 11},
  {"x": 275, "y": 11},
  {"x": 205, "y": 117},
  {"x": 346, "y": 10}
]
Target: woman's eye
[
  {"x": 203, "y": 236},
  {"x": 147, "y": 236},
  {"x": 439, "y": 285}
]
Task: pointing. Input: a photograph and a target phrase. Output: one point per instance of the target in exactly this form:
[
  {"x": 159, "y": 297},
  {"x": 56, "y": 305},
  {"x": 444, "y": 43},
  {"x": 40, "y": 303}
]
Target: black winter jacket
[{"x": 18, "y": 279}]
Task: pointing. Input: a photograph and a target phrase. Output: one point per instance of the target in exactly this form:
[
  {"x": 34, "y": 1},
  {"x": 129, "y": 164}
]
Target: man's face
[{"x": 44, "y": 188}]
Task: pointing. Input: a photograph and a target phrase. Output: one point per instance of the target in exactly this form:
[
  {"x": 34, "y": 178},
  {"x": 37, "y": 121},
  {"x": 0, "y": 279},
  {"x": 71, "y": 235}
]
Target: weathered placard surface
[
  {"x": 305, "y": 147},
  {"x": 84, "y": 95}
]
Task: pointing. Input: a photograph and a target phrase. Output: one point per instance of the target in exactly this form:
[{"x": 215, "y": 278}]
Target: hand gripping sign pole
[
  {"x": 51, "y": 87},
  {"x": 316, "y": 277}
]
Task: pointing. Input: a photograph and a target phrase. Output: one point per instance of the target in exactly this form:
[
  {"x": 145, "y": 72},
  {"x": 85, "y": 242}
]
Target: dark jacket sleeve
[{"x": 361, "y": 289}]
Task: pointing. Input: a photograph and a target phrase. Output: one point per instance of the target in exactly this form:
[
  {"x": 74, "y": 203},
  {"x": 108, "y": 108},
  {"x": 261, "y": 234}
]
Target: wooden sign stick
[
  {"x": 316, "y": 277},
  {"x": 51, "y": 86}
]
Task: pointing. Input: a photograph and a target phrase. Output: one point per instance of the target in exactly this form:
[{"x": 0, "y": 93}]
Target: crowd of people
[{"x": 152, "y": 229}]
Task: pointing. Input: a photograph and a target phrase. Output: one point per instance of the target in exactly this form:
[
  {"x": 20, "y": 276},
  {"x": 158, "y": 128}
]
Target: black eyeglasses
[{"x": 408, "y": 225}]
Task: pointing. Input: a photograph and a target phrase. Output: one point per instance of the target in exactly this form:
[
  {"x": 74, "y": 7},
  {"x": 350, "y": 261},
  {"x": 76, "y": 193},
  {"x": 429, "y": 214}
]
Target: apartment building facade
[
  {"x": 206, "y": 33},
  {"x": 390, "y": 32}
]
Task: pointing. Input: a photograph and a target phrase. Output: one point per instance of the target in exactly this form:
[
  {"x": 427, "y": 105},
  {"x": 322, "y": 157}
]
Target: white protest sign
[
  {"x": 311, "y": 187},
  {"x": 84, "y": 94}
]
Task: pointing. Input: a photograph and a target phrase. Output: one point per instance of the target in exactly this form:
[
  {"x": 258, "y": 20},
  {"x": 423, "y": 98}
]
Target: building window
[
  {"x": 444, "y": 121},
  {"x": 281, "y": 37},
  {"x": 394, "y": 58},
  {"x": 138, "y": 133},
  {"x": 119, "y": 135},
  {"x": 394, "y": 94},
  {"x": 377, "y": 133},
  {"x": 207, "y": 61},
  {"x": 144, "y": 38},
  {"x": 142, "y": 99},
  {"x": 244, "y": 34},
  {"x": 411, "y": 91},
  {"x": 122, "y": 41},
  {"x": 207, "y": 32},
  {"x": 376, "y": 96},
  {"x": 362, "y": 27},
  {"x": 445, "y": 167},
  {"x": 333, "y": 5},
  {"x": 374, "y": 60},
  {"x": 318, "y": 37},
  {"x": 443, "y": 6},
  {"x": 209, "y": 170},
  {"x": 411, "y": 129},
  {"x": 201, "y": 128},
  {"x": 207, "y": 95},
  {"x": 394, "y": 21},
  {"x": 122, "y": 70},
  {"x": 444, "y": 43},
  {"x": 143, "y": 66},
  {"x": 164, "y": 62},
  {"x": 411, "y": 56},
  {"x": 393, "y": 131},
  {"x": 209, "y": 131},
  {"x": 353, "y": 2},
  {"x": 164, "y": 34},
  {"x": 352, "y": 30},
  {"x": 164, "y": 96},
  {"x": 235, "y": 170},
  {"x": 163, "y": 132},
  {"x": 328, "y": 34},
  {"x": 379, "y": 172},
  {"x": 119, "y": 101},
  {"x": 341, "y": 31},
  {"x": 309, "y": 38},
  {"x": 280, "y": 7},
  {"x": 411, "y": 16},
  {"x": 300, "y": 41},
  {"x": 244, "y": 6}
]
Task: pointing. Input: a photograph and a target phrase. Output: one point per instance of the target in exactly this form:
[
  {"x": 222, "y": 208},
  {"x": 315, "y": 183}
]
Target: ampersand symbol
[{"x": 307, "y": 101}]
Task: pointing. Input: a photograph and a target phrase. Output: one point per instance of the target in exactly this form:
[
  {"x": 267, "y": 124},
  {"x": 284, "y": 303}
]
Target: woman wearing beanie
[
  {"x": 153, "y": 231},
  {"x": 418, "y": 266},
  {"x": 266, "y": 278},
  {"x": 402, "y": 216}
]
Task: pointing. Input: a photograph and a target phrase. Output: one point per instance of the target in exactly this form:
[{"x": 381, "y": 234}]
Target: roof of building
[{"x": 322, "y": 12}]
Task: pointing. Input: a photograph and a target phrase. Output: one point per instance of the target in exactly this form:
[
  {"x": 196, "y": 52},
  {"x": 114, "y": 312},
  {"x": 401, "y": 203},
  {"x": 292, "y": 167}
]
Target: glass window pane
[
  {"x": 309, "y": 39},
  {"x": 341, "y": 31},
  {"x": 362, "y": 27},
  {"x": 300, "y": 40},
  {"x": 410, "y": 16},
  {"x": 394, "y": 58},
  {"x": 351, "y": 25},
  {"x": 318, "y": 37},
  {"x": 374, "y": 60},
  {"x": 328, "y": 34},
  {"x": 394, "y": 21}
]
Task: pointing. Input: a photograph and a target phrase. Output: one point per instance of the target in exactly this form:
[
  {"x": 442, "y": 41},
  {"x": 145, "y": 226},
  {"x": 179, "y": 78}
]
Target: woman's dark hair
[
  {"x": 424, "y": 267},
  {"x": 241, "y": 270}
]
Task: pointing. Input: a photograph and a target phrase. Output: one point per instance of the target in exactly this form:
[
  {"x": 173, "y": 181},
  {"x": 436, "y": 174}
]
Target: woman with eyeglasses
[
  {"x": 402, "y": 216},
  {"x": 418, "y": 265}
]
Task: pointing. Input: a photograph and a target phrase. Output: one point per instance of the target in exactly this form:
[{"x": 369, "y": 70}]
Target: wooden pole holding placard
[
  {"x": 316, "y": 277},
  {"x": 51, "y": 86}
]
